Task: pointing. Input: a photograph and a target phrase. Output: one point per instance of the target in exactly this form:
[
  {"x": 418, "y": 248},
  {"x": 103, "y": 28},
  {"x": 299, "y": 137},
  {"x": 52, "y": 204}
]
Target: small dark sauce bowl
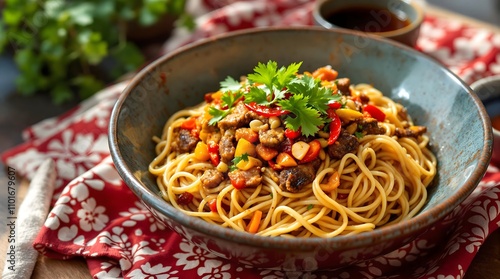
[{"x": 393, "y": 19}]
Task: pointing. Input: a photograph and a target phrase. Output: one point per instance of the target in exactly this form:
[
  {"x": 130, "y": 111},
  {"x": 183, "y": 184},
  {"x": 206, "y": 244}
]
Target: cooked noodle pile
[{"x": 366, "y": 165}]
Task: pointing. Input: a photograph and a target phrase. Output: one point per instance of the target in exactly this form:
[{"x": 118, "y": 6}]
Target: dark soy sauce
[{"x": 368, "y": 19}]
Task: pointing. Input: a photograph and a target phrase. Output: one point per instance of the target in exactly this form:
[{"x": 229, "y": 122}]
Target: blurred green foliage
[{"x": 59, "y": 44}]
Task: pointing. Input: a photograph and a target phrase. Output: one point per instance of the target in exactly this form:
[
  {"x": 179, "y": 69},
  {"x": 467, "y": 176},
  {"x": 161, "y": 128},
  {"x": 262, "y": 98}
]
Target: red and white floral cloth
[{"x": 120, "y": 239}]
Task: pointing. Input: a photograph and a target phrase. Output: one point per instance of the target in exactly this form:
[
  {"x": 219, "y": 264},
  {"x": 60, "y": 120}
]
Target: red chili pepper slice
[
  {"x": 213, "y": 152},
  {"x": 212, "y": 204},
  {"x": 265, "y": 110},
  {"x": 238, "y": 182},
  {"x": 335, "y": 127},
  {"x": 334, "y": 105},
  {"x": 274, "y": 166},
  {"x": 375, "y": 112},
  {"x": 312, "y": 153},
  {"x": 291, "y": 134}
]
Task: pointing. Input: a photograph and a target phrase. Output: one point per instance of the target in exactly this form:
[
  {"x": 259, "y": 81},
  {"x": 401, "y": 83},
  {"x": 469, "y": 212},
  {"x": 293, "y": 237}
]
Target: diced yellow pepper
[
  {"x": 347, "y": 115},
  {"x": 201, "y": 151},
  {"x": 285, "y": 160},
  {"x": 249, "y": 163},
  {"x": 244, "y": 147}
]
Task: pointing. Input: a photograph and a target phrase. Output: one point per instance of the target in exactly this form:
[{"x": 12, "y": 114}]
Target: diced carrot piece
[
  {"x": 253, "y": 225},
  {"x": 266, "y": 153}
]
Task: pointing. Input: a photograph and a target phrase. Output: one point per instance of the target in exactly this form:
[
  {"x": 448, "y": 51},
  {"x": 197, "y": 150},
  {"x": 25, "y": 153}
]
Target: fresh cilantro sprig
[
  {"x": 304, "y": 117},
  {"x": 228, "y": 99},
  {"x": 318, "y": 96},
  {"x": 230, "y": 84},
  {"x": 269, "y": 74},
  {"x": 274, "y": 82}
]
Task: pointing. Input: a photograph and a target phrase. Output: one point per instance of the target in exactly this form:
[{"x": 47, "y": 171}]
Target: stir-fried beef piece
[
  {"x": 237, "y": 118},
  {"x": 346, "y": 143},
  {"x": 413, "y": 131},
  {"x": 369, "y": 126},
  {"x": 272, "y": 137},
  {"x": 226, "y": 146},
  {"x": 252, "y": 177},
  {"x": 183, "y": 141},
  {"x": 294, "y": 178},
  {"x": 211, "y": 178},
  {"x": 343, "y": 85}
]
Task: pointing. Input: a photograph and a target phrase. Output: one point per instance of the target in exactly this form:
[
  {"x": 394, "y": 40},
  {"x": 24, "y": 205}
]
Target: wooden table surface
[{"x": 486, "y": 264}]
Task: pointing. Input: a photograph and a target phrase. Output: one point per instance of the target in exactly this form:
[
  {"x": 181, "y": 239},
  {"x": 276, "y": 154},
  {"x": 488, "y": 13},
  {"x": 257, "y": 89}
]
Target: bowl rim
[
  {"x": 414, "y": 24},
  {"x": 404, "y": 229}
]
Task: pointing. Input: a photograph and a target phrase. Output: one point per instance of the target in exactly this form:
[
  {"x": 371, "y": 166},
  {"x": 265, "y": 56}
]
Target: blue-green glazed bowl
[{"x": 458, "y": 126}]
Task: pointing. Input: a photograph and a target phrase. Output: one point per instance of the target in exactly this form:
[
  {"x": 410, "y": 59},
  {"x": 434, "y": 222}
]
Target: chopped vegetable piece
[
  {"x": 185, "y": 198},
  {"x": 244, "y": 147},
  {"x": 249, "y": 163},
  {"x": 265, "y": 110},
  {"x": 201, "y": 151},
  {"x": 248, "y": 134},
  {"x": 312, "y": 153},
  {"x": 266, "y": 153},
  {"x": 332, "y": 183},
  {"x": 212, "y": 204},
  {"x": 285, "y": 160},
  {"x": 189, "y": 124},
  {"x": 292, "y": 134},
  {"x": 299, "y": 150},
  {"x": 348, "y": 115},
  {"x": 375, "y": 112},
  {"x": 238, "y": 183},
  {"x": 334, "y": 105},
  {"x": 274, "y": 166},
  {"x": 253, "y": 225},
  {"x": 335, "y": 127},
  {"x": 213, "y": 152},
  {"x": 325, "y": 73}
]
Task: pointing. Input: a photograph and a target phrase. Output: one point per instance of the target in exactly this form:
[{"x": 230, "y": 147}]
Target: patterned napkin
[{"x": 119, "y": 238}]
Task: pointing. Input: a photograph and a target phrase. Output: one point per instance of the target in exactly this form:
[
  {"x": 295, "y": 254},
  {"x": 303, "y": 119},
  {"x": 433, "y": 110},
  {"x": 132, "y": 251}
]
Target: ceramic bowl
[
  {"x": 380, "y": 9},
  {"x": 488, "y": 90},
  {"x": 457, "y": 122}
]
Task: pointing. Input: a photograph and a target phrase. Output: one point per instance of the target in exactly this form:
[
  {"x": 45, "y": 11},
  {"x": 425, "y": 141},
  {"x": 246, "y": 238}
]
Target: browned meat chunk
[
  {"x": 293, "y": 179},
  {"x": 211, "y": 178},
  {"x": 346, "y": 143},
  {"x": 237, "y": 118},
  {"x": 343, "y": 85},
  {"x": 183, "y": 141},
  {"x": 369, "y": 126},
  {"x": 250, "y": 178},
  {"x": 272, "y": 137},
  {"x": 226, "y": 146},
  {"x": 413, "y": 131}
]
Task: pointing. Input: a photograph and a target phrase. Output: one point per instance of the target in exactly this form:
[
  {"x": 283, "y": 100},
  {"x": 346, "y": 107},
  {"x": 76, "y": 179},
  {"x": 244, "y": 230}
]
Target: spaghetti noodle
[{"x": 247, "y": 159}]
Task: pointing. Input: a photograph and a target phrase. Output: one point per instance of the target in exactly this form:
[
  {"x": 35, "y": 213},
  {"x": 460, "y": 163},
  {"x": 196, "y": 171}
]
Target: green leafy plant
[{"x": 61, "y": 46}]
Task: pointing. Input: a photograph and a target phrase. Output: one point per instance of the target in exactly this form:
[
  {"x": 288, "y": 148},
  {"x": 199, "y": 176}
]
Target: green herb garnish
[
  {"x": 228, "y": 99},
  {"x": 237, "y": 159},
  {"x": 359, "y": 135}
]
